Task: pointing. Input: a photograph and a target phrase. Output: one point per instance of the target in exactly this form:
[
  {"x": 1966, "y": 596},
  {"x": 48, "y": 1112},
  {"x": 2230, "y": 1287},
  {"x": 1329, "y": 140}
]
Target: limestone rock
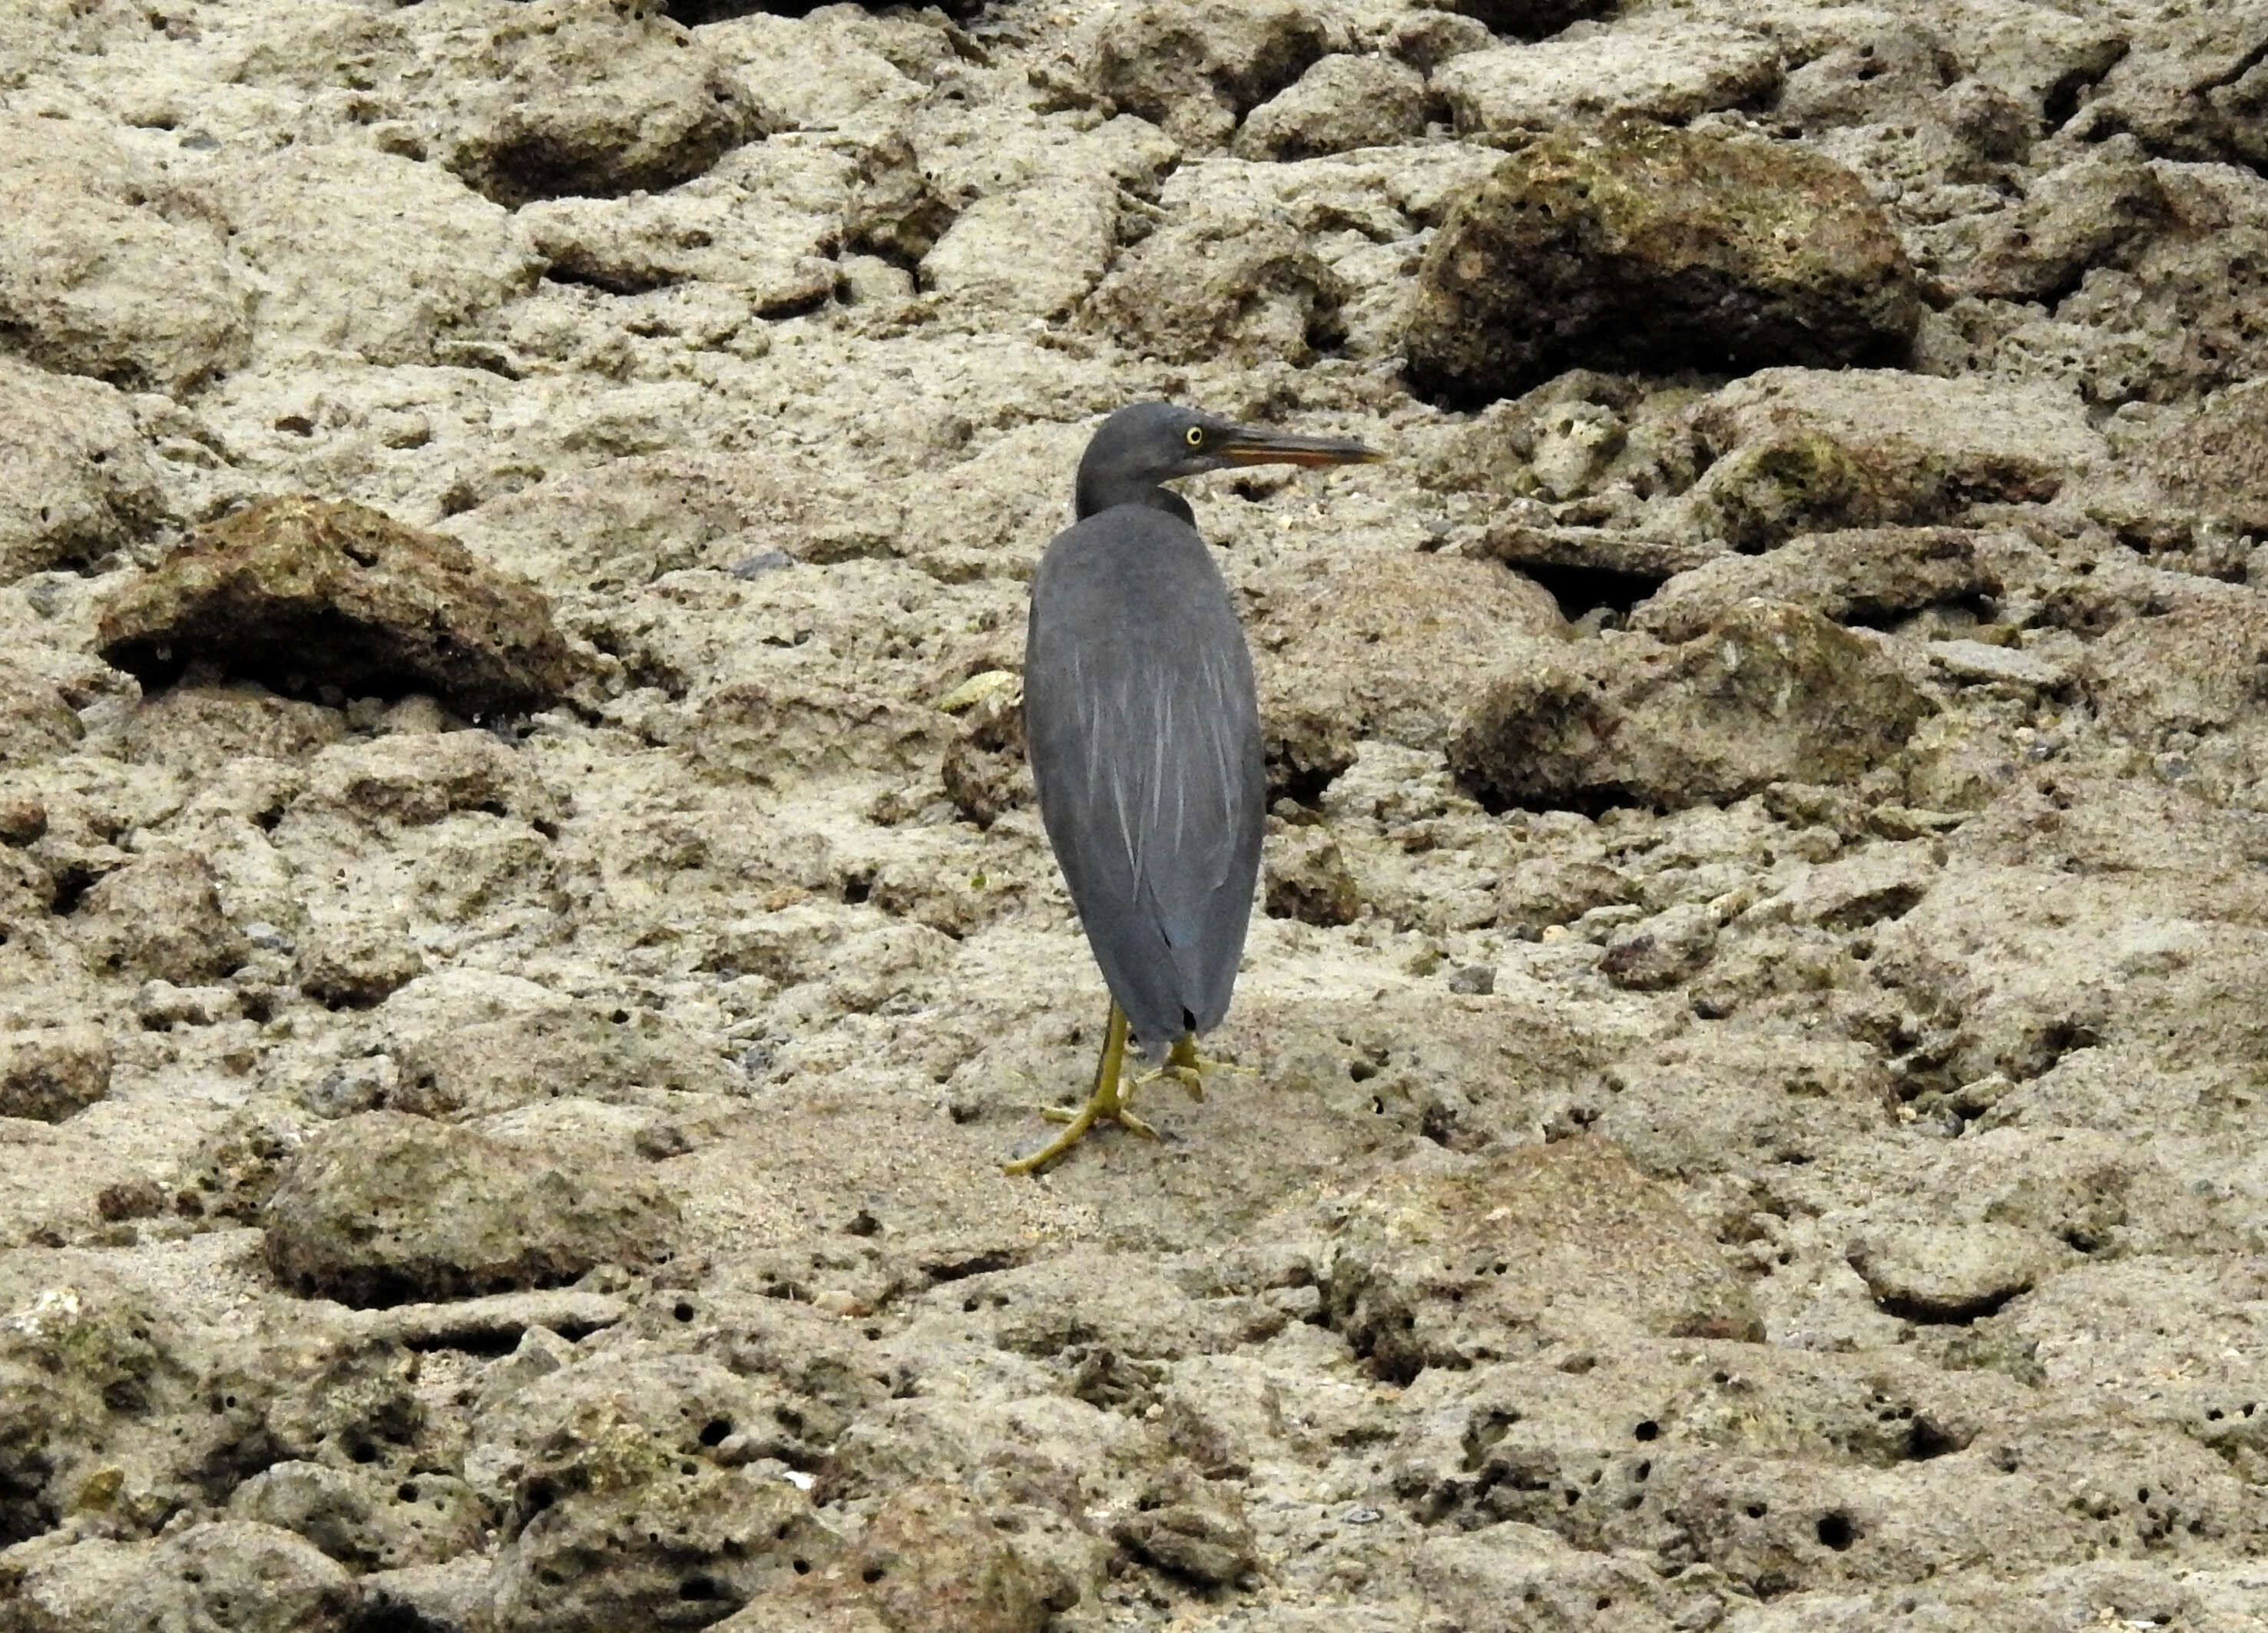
[
  {"x": 330, "y": 594},
  {"x": 365, "y": 1523},
  {"x": 1646, "y": 247},
  {"x": 2196, "y": 668},
  {"x": 237, "y": 1574},
  {"x": 1475, "y": 1580},
  {"x": 984, "y": 768},
  {"x": 413, "y": 779},
  {"x": 1882, "y": 882},
  {"x": 807, "y": 73},
  {"x": 48, "y": 1072},
  {"x": 622, "y": 1505},
  {"x": 346, "y": 964},
  {"x": 1543, "y": 891},
  {"x": 2186, "y": 82},
  {"x": 1719, "y": 1095},
  {"x": 1380, "y": 646},
  {"x": 76, "y": 1345},
  {"x": 36, "y": 722},
  {"x": 1199, "y": 1535},
  {"x": 1953, "y": 1272},
  {"x": 1803, "y": 451},
  {"x": 1197, "y": 69},
  {"x": 487, "y": 1067},
  {"x": 1602, "y": 562},
  {"x": 575, "y": 99},
  {"x": 721, "y": 230},
  {"x": 1036, "y": 250},
  {"x": 1975, "y": 662},
  {"x": 932, "y": 1557},
  {"x": 1259, "y": 293},
  {"x": 161, "y": 915},
  {"x": 1341, "y": 102},
  {"x": 1661, "y": 951},
  {"x": 2090, "y": 213},
  {"x": 1526, "y": 20},
  {"x": 1566, "y": 1239},
  {"x": 1770, "y": 693},
  {"x": 2216, "y": 459},
  {"x": 1870, "y": 576},
  {"x": 1670, "y": 72},
  {"x": 200, "y": 729},
  {"x": 104, "y": 273},
  {"x": 382, "y": 1208},
  {"x": 1306, "y": 878},
  {"x": 371, "y": 253},
  {"x": 80, "y": 483}
]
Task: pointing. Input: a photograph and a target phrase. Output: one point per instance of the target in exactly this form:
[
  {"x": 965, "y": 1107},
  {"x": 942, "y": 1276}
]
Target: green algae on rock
[
  {"x": 1643, "y": 246},
  {"x": 1771, "y": 692},
  {"x": 315, "y": 592}
]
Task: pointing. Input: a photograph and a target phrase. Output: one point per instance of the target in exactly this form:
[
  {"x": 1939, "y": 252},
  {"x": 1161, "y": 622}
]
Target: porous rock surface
[{"x": 524, "y": 935}]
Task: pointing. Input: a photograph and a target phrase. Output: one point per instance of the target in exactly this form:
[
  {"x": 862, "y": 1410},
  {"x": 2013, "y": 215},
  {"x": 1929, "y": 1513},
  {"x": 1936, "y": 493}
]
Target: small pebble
[{"x": 762, "y": 562}]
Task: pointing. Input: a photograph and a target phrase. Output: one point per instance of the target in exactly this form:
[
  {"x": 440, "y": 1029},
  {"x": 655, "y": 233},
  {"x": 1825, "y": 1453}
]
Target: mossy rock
[
  {"x": 1642, "y": 247},
  {"x": 301, "y": 593}
]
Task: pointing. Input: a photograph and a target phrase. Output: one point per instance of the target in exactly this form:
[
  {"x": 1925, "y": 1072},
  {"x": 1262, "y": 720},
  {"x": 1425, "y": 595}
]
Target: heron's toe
[
  {"x": 1185, "y": 1066},
  {"x": 1104, "y": 1106}
]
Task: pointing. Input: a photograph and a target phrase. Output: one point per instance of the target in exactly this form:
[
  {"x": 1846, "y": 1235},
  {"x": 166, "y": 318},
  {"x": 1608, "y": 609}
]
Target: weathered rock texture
[
  {"x": 383, "y": 1208},
  {"x": 304, "y": 593},
  {"x": 1650, "y": 247},
  {"x": 513, "y": 1000}
]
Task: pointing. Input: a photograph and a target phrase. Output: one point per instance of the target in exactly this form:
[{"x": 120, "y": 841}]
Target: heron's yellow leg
[
  {"x": 1185, "y": 1066},
  {"x": 1112, "y": 1101}
]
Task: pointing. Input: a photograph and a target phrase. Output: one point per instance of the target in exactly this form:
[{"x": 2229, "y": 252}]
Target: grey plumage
[
  {"x": 1142, "y": 721},
  {"x": 1144, "y": 729}
]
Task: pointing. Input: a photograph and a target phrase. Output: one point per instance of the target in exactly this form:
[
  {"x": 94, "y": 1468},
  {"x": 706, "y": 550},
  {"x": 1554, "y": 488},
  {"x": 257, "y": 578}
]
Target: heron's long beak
[{"x": 1245, "y": 446}]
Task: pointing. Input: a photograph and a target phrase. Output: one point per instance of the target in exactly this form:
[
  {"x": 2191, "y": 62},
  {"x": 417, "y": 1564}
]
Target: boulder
[
  {"x": 1670, "y": 71},
  {"x": 1197, "y": 68},
  {"x": 80, "y": 483},
  {"x": 1644, "y": 246},
  {"x": 1770, "y": 693},
  {"x": 381, "y": 1209},
  {"x": 304, "y": 592}
]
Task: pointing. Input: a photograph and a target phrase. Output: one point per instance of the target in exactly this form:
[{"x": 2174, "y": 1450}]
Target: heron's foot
[
  {"x": 1110, "y": 1104},
  {"x": 1185, "y": 1066}
]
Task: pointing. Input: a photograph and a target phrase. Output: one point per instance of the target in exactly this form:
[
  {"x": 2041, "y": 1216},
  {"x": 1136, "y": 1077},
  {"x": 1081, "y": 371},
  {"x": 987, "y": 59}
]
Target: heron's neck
[{"x": 1097, "y": 494}]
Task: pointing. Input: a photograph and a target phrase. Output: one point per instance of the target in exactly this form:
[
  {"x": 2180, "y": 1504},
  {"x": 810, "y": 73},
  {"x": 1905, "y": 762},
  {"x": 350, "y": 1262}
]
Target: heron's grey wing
[
  {"x": 1144, "y": 739},
  {"x": 1207, "y": 801}
]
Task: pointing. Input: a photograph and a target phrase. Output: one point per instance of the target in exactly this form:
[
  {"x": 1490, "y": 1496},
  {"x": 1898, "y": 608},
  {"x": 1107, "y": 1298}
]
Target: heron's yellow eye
[{"x": 1195, "y": 434}]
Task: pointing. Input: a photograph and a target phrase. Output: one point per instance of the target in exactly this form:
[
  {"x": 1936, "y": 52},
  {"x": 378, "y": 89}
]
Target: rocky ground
[{"x": 1754, "y": 1047}]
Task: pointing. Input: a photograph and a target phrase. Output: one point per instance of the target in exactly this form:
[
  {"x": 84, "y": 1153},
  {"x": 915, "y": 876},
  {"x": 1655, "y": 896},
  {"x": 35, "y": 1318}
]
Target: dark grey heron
[{"x": 1144, "y": 732}]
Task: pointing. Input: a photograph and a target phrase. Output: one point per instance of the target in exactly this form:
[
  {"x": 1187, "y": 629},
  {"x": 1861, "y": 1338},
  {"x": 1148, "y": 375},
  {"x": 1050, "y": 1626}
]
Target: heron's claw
[
  {"x": 1112, "y": 1101},
  {"x": 1185, "y": 1066},
  {"x": 1084, "y": 1117},
  {"x": 1113, "y": 1104}
]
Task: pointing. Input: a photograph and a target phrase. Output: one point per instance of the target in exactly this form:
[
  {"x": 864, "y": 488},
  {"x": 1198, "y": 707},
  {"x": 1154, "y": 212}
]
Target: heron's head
[{"x": 1150, "y": 443}]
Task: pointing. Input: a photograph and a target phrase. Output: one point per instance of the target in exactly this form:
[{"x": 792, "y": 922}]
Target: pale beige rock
[
  {"x": 369, "y": 253},
  {"x": 1197, "y": 70},
  {"x": 1668, "y": 71},
  {"x": 780, "y": 442},
  {"x": 81, "y": 483},
  {"x": 48, "y": 1072},
  {"x": 109, "y": 271},
  {"x": 1341, "y": 102},
  {"x": 1801, "y": 451}
]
